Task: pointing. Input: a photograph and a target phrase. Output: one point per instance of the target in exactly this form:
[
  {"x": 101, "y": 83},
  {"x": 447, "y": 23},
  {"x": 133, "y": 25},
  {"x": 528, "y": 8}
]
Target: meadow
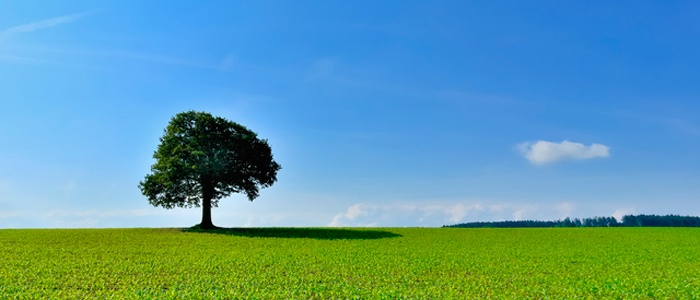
[{"x": 371, "y": 263}]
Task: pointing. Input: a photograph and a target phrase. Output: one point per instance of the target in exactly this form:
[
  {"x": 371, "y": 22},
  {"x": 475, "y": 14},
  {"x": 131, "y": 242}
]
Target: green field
[{"x": 377, "y": 263}]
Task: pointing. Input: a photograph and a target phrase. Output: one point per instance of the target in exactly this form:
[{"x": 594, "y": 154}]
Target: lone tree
[{"x": 202, "y": 158}]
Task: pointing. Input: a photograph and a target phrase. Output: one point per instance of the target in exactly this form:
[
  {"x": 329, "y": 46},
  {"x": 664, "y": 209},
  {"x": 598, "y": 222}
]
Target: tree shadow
[{"x": 299, "y": 233}]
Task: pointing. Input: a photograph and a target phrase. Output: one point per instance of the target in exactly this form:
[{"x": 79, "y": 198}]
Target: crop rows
[{"x": 400, "y": 263}]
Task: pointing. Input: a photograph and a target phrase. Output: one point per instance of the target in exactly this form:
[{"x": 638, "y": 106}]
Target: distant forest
[{"x": 627, "y": 221}]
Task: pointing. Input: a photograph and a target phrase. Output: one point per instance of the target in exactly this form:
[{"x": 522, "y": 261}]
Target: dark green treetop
[{"x": 202, "y": 158}]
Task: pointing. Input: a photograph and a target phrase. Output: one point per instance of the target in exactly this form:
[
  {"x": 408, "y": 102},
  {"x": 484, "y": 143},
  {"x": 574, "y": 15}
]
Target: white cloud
[
  {"x": 353, "y": 212},
  {"x": 261, "y": 220},
  {"x": 543, "y": 152},
  {"x": 620, "y": 213},
  {"x": 459, "y": 211},
  {"x": 522, "y": 212},
  {"x": 565, "y": 209},
  {"x": 29, "y": 27},
  {"x": 434, "y": 215}
]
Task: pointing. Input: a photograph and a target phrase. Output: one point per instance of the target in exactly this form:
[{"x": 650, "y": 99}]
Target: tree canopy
[
  {"x": 627, "y": 221},
  {"x": 202, "y": 159}
]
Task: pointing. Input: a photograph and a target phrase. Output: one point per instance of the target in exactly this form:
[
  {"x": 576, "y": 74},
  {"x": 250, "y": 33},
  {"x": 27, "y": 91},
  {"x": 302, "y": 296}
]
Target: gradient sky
[{"x": 381, "y": 113}]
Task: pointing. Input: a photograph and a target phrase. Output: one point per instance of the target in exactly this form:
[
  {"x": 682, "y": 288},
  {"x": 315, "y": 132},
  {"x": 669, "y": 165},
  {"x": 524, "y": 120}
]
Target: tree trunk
[{"x": 207, "y": 194}]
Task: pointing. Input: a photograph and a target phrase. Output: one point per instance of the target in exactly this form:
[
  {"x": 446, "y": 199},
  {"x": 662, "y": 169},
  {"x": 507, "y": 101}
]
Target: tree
[{"x": 202, "y": 158}]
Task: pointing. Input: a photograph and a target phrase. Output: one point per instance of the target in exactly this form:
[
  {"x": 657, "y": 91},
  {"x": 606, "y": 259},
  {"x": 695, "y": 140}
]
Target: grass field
[{"x": 376, "y": 263}]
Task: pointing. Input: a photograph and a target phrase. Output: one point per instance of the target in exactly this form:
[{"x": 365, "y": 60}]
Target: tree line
[{"x": 627, "y": 221}]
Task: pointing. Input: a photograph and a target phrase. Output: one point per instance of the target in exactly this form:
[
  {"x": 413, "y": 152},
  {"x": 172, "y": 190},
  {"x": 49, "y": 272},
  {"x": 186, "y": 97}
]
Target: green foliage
[
  {"x": 198, "y": 149},
  {"x": 627, "y": 221},
  {"x": 202, "y": 158},
  {"x": 418, "y": 263},
  {"x": 660, "y": 221}
]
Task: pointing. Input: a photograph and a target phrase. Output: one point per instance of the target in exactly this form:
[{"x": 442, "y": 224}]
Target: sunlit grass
[{"x": 374, "y": 263}]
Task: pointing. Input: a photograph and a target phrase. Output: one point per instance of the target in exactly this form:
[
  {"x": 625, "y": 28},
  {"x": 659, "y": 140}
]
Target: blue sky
[{"x": 381, "y": 113}]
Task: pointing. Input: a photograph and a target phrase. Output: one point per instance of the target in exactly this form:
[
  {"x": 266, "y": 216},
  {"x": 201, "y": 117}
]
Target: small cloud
[
  {"x": 29, "y": 27},
  {"x": 451, "y": 213},
  {"x": 353, "y": 212},
  {"x": 566, "y": 209},
  {"x": 523, "y": 212},
  {"x": 622, "y": 212},
  {"x": 426, "y": 214},
  {"x": 544, "y": 152},
  {"x": 459, "y": 211},
  {"x": 264, "y": 220}
]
